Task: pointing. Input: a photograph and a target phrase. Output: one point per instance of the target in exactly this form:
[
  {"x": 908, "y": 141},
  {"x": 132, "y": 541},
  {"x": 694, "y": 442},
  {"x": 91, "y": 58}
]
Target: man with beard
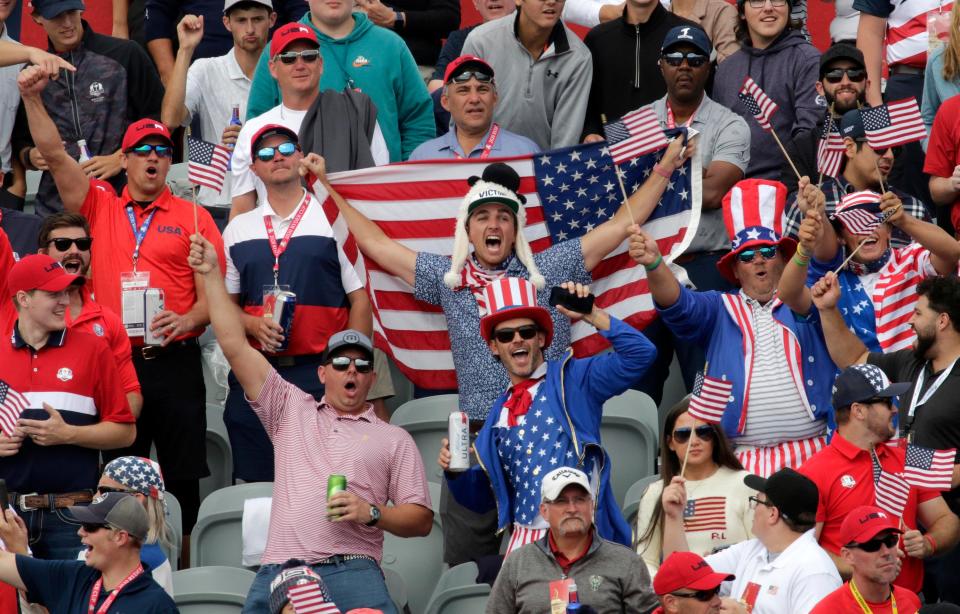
[
  {"x": 869, "y": 537},
  {"x": 928, "y": 414},
  {"x": 571, "y": 553},
  {"x": 842, "y": 84},
  {"x": 844, "y": 474}
]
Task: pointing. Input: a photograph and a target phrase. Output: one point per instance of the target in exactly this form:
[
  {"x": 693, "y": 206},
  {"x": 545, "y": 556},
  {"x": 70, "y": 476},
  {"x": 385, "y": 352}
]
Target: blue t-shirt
[{"x": 64, "y": 587}]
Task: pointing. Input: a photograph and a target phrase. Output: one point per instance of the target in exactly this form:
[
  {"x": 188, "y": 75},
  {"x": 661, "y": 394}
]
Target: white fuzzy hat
[{"x": 499, "y": 184}]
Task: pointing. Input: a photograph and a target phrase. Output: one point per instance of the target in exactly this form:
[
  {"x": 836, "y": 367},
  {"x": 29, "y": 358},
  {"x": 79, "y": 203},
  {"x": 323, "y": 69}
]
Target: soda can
[
  {"x": 283, "y": 308},
  {"x": 459, "y": 435},
  {"x": 152, "y": 305}
]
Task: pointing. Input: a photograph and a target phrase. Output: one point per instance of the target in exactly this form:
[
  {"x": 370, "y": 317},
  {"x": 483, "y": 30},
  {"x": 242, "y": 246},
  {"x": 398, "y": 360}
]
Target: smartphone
[{"x": 562, "y": 296}]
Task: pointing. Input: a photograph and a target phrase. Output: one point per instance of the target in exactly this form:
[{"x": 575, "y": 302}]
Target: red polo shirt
[
  {"x": 163, "y": 252},
  {"x": 842, "y": 600},
  {"x": 943, "y": 148},
  {"x": 101, "y": 322},
  {"x": 565, "y": 563},
  {"x": 843, "y": 474}
]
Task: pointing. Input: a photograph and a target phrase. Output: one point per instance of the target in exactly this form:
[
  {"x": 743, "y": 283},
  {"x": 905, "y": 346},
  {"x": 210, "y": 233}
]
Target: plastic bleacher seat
[
  {"x": 211, "y": 590},
  {"x": 219, "y": 457},
  {"x": 397, "y": 589},
  {"x": 217, "y": 536},
  {"x": 175, "y": 522},
  {"x": 457, "y": 592},
  {"x": 629, "y": 432},
  {"x": 418, "y": 560},
  {"x": 426, "y": 421},
  {"x": 631, "y": 503}
]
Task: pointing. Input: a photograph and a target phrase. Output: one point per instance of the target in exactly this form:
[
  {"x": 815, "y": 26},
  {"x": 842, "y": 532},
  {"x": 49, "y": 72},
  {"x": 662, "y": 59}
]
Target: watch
[
  {"x": 374, "y": 515},
  {"x": 400, "y": 22}
]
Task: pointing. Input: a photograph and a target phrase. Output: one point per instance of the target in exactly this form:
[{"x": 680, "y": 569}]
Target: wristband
[
  {"x": 800, "y": 261},
  {"x": 658, "y": 169},
  {"x": 933, "y": 544},
  {"x": 653, "y": 265},
  {"x": 802, "y": 252}
]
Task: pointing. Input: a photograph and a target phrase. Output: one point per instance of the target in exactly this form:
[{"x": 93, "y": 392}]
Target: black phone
[
  {"x": 35, "y": 413},
  {"x": 4, "y": 495},
  {"x": 562, "y": 296}
]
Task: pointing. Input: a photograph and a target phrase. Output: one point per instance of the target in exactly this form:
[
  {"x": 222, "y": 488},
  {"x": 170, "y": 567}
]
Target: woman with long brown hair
[
  {"x": 718, "y": 512},
  {"x": 942, "y": 75}
]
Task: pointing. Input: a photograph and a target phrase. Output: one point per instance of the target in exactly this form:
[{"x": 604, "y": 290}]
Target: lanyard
[
  {"x": 138, "y": 234},
  {"x": 488, "y": 146},
  {"x": 272, "y": 236},
  {"x": 671, "y": 123},
  {"x": 914, "y": 404},
  {"x": 98, "y": 586},
  {"x": 863, "y": 603}
]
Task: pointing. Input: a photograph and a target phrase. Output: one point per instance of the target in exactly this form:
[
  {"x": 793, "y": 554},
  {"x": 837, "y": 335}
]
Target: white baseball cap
[
  {"x": 228, "y": 4},
  {"x": 554, "y": 482}
]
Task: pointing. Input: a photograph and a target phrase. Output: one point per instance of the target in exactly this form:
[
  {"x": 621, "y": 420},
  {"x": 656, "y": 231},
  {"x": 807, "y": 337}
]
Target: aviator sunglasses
[
  {"x": 767, "y": 253},
  {"x": 704, "y": 432},
  {"x": 342, "y": 363},
  {"x": 265, "y": 154},
  {"x": 309, "y": 56},
  {"x": 163, "y": 151}
]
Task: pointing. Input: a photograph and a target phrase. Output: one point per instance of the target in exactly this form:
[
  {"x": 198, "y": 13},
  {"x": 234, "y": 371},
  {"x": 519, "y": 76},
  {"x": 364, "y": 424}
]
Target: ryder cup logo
[
  {"x": 64, "y": 374},
  {"x": 98, "y": 330}
]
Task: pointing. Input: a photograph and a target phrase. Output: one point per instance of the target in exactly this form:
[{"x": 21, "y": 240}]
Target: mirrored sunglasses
[
  {"x": 767, "y": 253},
  {"x": 286, "y": 149},
  {"x": 163, "y": 151},
  {"x": 309, "y": 56},
  {"x": 676, "y": 58},
  {"x": 479, "y": 75},
  {"x": 342, "y": 363}
]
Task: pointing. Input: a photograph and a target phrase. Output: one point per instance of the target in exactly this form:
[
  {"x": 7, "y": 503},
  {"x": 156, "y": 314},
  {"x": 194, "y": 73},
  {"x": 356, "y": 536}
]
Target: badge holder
[{"x": 133, "y": 285}]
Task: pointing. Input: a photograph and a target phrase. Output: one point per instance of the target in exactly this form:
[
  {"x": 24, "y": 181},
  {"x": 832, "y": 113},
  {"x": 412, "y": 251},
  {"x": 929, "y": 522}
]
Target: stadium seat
[
  {"x": 219, "y": 457},
  {"x": 217, "y": 536},
  {"x": 426, "y": 420},
  {"x": 418, "y": 560},
  {"x": 629, "y": 432},
  {"x": 397, "y": 589},
  {"x": 175, "y": 523},
  {"x": 457, "y": 592},
  {"x": 631, "y": 502},
  {"x": 211, "y": 590}
]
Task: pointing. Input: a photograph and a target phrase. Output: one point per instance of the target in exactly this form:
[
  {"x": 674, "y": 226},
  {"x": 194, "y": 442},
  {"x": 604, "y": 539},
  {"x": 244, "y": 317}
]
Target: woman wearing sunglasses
[{"x": 718, "y": 513}]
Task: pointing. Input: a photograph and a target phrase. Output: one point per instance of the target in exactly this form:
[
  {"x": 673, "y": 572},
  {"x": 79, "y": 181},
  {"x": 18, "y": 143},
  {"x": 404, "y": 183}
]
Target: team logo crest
[
  {"x": 64, "y": 374},
  {"x": 96, "y": 91},
  {"x": 847, "y": 481},
  {"x": 360, "y": 61},
  {"x": 98, "y": 330},
  {"x": 595, "y": 582}
]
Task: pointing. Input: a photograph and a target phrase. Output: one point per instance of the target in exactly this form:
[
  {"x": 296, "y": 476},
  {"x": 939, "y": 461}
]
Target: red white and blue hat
[
  {"x": 513, "y": 297},
  {"x": 753, "y": 215}
]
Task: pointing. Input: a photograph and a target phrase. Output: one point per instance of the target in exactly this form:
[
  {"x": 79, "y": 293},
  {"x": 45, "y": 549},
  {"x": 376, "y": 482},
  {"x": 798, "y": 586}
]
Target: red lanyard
[
  {"x": 98, "y": 586},
  {"x": 671, "y": 123},
  {"x": 272, "y": 236},
  {"x": 488, "y": 146}
]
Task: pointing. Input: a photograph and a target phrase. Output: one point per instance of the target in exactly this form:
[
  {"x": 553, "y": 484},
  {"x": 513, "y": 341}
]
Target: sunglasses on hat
[
  {"x": 466, "y": 75},
  {"x": 767, "y": 253},
  {"x": 836, "y": 75},
  {"x": 704, "y": 595},
  {"x": 309, "y": 56},
  {"x": 342, "y": 363},
  {"x": 64, "y": 244},
  {"x": 890, "y": 541},
  {"x": 676, "y": 58},
  {"x": 704, "y": 432},
  {"x": 506, "y": 335}
]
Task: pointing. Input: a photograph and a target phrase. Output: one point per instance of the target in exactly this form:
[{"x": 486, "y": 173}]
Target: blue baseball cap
[
  {"x": 48, "y": 9},
  {"x": 859, "y": 383},
  {"x": 690, "y": 35},
  {"x": 851, "y": 125}
]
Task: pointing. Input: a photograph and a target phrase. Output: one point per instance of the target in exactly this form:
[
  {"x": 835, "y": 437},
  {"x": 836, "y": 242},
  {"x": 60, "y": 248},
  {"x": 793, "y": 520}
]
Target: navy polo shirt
[{"x": 64, "y": 587}]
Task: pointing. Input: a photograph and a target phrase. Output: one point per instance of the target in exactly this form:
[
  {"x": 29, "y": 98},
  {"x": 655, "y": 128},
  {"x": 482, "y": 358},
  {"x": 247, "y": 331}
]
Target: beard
[{"x": 924, "y": 343}]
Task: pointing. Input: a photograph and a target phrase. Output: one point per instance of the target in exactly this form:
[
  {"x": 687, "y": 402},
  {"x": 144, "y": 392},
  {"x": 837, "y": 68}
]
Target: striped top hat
[{"x": 513, "y": 297}]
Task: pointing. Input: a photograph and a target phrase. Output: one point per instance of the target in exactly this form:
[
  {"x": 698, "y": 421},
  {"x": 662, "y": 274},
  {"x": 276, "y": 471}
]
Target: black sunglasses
[
  {"x": 309, "y": 56},
  {"x": 704, "y": 595},
  {"x": 882, "y": 152},
  {"x": 342, "y": 363},
  {"x": 63, "y": 245},
  {"x": 836, "y": 75},
  {"x": 704, "y": 432},
  {"x": 676, "y": 58},
  {"x": 466, "y": 75},
  {"x": 92, "y": 528},
  {"x": 286, "y": 149},
  {"x": 102, "y": 490},
  {"x": 163, "y": 151},
  {"x": 767, "y": 253},
  {"x": 890, "y": 541},
  {"x": 505, "y": 335}
]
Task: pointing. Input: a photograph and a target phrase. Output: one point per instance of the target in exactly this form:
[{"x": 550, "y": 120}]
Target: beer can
[
  {"x": 152, "y": 305},
  {"x": 84, "y": 151},
  {"x": 336, "y": 483},
  {"x": 459, "y": 435},
  {"x": 283, "y": 309}
]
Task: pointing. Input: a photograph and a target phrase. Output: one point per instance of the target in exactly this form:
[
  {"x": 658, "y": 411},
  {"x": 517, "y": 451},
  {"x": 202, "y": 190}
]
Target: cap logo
[
  {"x": 871, "y": 516},
  {"x": 351, "y": 338},
  {"x": 53, "y": 266},
  {"x": 699, "y": 566},
  {"x": 685, "y": 33}
]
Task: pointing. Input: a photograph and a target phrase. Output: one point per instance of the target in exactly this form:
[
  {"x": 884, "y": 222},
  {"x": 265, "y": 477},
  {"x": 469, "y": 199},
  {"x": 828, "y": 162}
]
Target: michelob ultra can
[
  {"x": 459, "y": 435},
  {"x": 152, "y": 305}
]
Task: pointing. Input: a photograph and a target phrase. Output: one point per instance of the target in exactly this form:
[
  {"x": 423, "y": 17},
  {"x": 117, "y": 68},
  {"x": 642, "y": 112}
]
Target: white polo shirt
[
  {"x": 9, "y": 101},
  {"x": 794, "y": 581}
]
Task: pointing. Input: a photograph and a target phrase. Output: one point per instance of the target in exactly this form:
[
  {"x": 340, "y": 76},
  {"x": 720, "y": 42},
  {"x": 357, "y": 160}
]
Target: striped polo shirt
[{"x": 907, "y": 38}]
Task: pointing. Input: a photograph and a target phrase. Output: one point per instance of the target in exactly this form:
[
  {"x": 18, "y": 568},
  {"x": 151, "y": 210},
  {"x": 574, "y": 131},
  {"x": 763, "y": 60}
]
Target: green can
[{"x": 336, "y": 483}]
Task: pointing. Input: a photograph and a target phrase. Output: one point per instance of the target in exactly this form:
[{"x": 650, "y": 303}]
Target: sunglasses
[
  {"x": 836, "y": 75},
  {"x": 506, "y": 335},
  {"x": 92, "y": 528},
  {"x": 676, "y": 58},
  {"x": 704, "y": 432},
  {"x": 342, "y": 363},
  {"x": 63, "y": 245},
  {"x": 466, "y": 75},
  {"x": 890, "y": 541},
  {"x": 704, "y": 595},
  {"x": 102, "y": 490},
  {"x": 265, "y": 154},
  {"x": 882, "y": 152},
  {"x": 163, "y": 151},
  {"x": 759, "y": 4},
  {"x": 767, "y": 253},
  {"x": 309, "y": 56}
]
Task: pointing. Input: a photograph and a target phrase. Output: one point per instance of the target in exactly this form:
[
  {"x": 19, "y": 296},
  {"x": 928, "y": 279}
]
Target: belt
[
  {"x": 34, "y": 501},
  {"x": 339, "y": 558},
  {"x": 293, "y": 361},
  {"x": 149, "y": 352},
  {"x": 903, "y": 69}
]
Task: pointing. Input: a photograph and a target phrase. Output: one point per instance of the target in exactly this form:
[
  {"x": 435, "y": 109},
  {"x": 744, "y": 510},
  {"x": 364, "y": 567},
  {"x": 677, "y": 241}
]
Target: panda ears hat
[{"x": 499, "y": 184}]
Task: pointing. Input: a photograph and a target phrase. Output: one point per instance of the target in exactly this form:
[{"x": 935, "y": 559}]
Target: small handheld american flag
[
  {"x": 860, "y": 212},
  {"x": 758, "y": 103},
  {"x": 892, "y": 493},
  {"x": 635, "y": 134},
  {"x": 929, "y": 468},
  {"x": 12, "y": 404},
  {"x": 893, "y": 124},
  {"x": 710, "y": 398},
  {"x": 207, "y": 163},
  {"x": 830, "y": 150}
]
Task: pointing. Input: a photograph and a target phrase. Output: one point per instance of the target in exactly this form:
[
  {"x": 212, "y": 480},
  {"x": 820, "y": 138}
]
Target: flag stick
[
  {"x": 616, "y": 171},
  {"x": 829, "y": 130},
  {"x": 852, "y": 254},
  {"x": 693, "y": 431},
  {"x": 773, "y": 133},
  {"x": 876, "y": 164},
  {"x": 193, "y": 191}
]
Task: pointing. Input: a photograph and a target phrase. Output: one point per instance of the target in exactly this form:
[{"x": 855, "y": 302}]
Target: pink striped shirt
[{"x": 312, "y": 441}]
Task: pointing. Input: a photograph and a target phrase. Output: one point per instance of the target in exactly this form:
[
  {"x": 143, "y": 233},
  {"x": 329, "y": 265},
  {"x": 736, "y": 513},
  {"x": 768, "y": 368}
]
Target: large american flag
[
  {"x": 710, "y": 398},
  {"x": 892, "y": 124},
  {"x": 12, "y": 404},
  {"x": 569, "y": 192},
  {"x": 830, "y": 150},
  {"x": 892, "y": 492},
  {"x": 705, "y": 514},
  {"x": 206, "y": 163},
  {"x": 758, "y": 103},
  {"x": 929, "y": 468},
  {"x": 635, "y": 134}
]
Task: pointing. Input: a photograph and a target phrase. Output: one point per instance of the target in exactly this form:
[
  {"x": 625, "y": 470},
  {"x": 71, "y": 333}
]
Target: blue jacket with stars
[{"x": 576, "y": 390}]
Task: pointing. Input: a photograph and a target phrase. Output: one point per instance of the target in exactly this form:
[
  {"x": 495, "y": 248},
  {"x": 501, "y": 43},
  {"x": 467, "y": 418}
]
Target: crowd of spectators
[{"x": 821, "y": 300}]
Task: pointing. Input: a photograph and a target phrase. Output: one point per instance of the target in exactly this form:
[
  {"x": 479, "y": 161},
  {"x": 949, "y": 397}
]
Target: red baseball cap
[
  {"x": 866, "y": 522},
  {"x": 40, "y": 272},
  {"x": 141, "y": 129},
  {"x": 291, "y": 33},
  {"x": 270, "y": 130},
  {"x": 686, "y": 570},
  {"x": 457, "y": 66}
]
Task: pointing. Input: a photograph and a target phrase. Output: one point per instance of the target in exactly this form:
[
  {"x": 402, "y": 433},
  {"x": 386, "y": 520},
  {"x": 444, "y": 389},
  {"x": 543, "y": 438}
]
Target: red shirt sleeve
[
  {"x": 120, "y": 346},
  {"x": 109, "y": 395},
  {"x": 942, "y": 147},
  {"x": 91, "y": 204},
  {"x": 7, "y": 310}
]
